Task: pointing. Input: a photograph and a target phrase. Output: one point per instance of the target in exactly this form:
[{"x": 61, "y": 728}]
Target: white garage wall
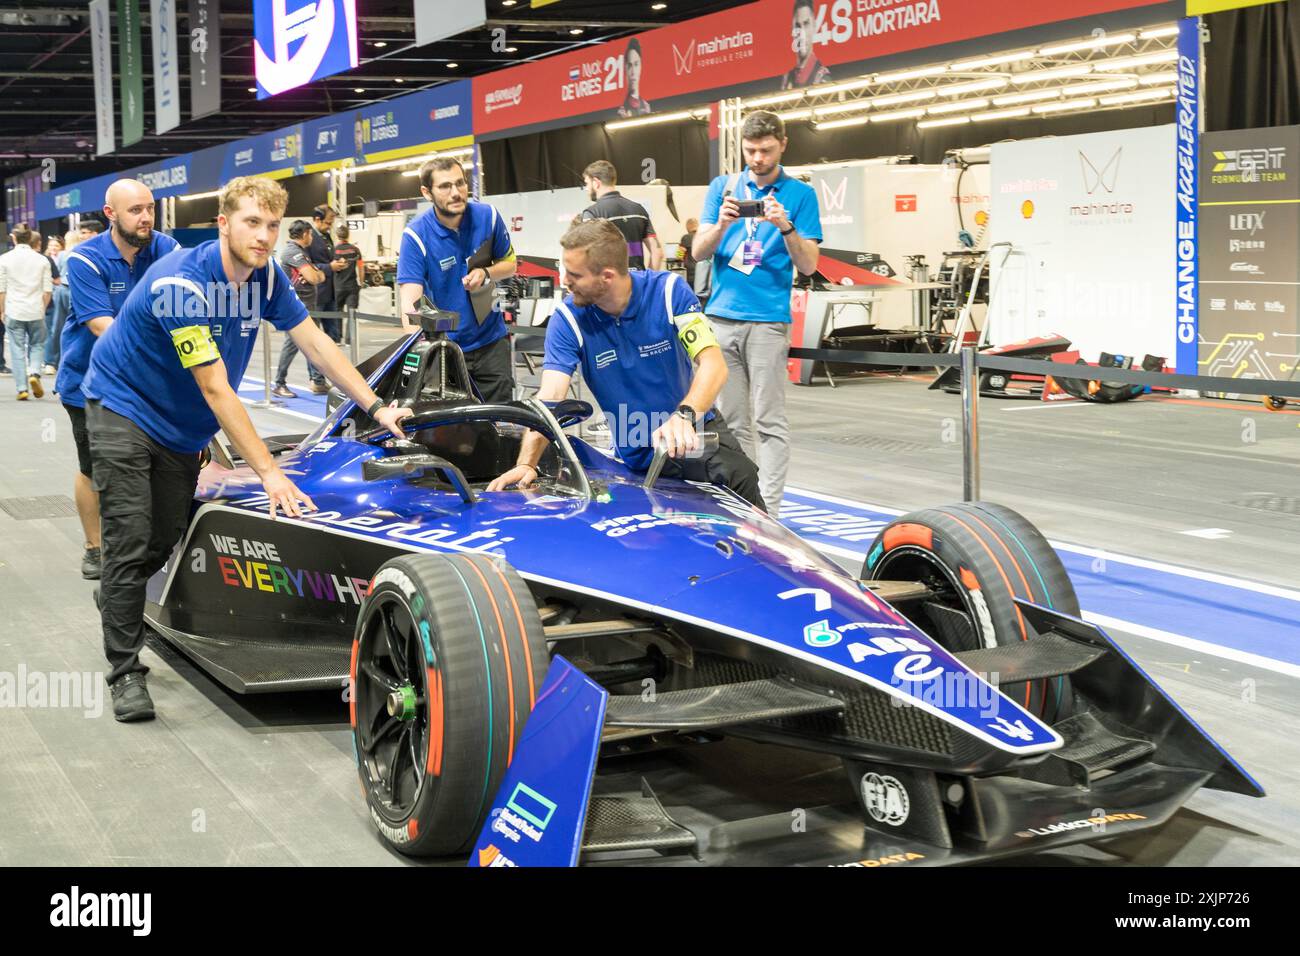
[{"x": 1091, "y": 220}]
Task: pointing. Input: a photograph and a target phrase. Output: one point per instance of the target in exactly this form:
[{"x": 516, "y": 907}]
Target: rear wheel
[
  {"x": 1274, "y": 403},
  {"x": 976, "y": 558},
  {"x": 448, "y": 656}
]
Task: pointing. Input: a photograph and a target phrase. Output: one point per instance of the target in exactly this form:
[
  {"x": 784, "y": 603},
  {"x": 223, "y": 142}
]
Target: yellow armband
[
  {"x": 194, "y": 345},
  {"x": 695, "y": 332}
]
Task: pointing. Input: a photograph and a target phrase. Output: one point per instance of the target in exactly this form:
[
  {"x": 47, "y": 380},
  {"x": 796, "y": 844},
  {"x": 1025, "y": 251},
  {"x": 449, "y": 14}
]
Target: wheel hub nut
[{"x": 401, "y": 703}]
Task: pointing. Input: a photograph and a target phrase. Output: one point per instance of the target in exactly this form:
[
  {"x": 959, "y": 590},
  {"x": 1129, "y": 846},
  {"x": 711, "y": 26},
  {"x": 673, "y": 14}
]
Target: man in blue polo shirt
[
  {"x": 101, "y": 272},
  {"x": 163, "y": 378},
  {"x": 636, "y": 335},
  {"x": 754, "y": 260},
  {"x": 453, "y": 253}
]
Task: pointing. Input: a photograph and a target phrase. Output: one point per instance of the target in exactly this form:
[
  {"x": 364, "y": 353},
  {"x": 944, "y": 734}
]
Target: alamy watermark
[
  {"x": 216, "y": 300},
  {"x": 40, "y": 690}
]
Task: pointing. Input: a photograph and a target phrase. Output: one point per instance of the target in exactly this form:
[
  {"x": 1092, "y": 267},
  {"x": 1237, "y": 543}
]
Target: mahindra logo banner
[
  {"x": 298, "y": 41},
  {"x": 1100, "y": 175},
  {"x": 833, "y": 194},
  {"x": 769, "y": 40},
  {"x": 684, "y": 61}
]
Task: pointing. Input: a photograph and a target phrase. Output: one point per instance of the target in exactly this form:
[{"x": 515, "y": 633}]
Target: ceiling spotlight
[
  {"x": 398, "y": 79},
  {"x": 576, "y": 32},
  {"x": 252, "y": 89},
  {"x": 507, "y": 3},
  {"x": 358, "y": 89},
  {"x": 381, "y": 43},
  {"x": 512, "y": 49},
  {"x": 452, "y": 66},
  {"x": 658, "y": 6}
]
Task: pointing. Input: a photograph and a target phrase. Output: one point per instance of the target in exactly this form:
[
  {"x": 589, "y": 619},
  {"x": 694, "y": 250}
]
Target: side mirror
[{"x": 570, "y": 411}]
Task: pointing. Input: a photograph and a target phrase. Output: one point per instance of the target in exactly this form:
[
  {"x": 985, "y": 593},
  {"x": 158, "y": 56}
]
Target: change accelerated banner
[{"x": 769, "y": 40}]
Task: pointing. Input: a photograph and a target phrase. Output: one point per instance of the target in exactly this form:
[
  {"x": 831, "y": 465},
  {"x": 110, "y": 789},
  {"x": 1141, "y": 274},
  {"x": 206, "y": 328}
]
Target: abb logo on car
[{"x": 905, "y": 203}]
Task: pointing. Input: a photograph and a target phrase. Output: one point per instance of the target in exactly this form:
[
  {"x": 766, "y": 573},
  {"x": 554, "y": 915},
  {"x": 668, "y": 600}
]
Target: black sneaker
[
  {"x": 131, "y": 700},
  {"x": 95, "y": 594},
  {"x": 90, "y": 564}
]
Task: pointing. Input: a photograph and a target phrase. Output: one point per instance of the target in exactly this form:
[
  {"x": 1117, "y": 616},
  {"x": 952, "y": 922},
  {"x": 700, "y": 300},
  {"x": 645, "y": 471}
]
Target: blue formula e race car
[{"x": 609, "y": 668}]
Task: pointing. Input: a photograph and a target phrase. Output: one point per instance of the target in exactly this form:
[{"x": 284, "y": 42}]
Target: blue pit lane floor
[{"x": 1233, "y": 618}]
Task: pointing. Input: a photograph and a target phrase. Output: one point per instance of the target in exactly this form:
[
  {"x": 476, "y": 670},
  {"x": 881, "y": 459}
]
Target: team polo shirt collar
[
  {"x": 445, "y": 231},
  {"x": 770, "y": 187},
  {"x": 216, "y": 269},
  {"x": 143, "y": 254},
  {"x": 634, "y": 301}
]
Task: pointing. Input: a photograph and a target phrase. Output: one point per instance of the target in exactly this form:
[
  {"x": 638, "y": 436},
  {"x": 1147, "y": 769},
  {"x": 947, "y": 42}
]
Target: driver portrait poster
[{"x": 768, "y": 44}]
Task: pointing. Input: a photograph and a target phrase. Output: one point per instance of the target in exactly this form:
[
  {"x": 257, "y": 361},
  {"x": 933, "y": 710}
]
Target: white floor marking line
[
  {"x": 1258, "y": 587},
  {"x": 1210, "y": 534},
  {"x": 280, "y": 411},
  {"x": 1192, "y": 644},
  {"x": 1245, "y": 585}
]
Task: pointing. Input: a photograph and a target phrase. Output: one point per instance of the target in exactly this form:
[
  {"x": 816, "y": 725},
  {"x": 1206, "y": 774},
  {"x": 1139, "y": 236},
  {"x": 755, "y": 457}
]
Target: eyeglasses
[{"x": 449, "y": 185}]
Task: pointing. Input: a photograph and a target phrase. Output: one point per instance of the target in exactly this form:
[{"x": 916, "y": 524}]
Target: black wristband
[
  {"x": 786, "y": 232},
  {"x": 379, "y": 403}
]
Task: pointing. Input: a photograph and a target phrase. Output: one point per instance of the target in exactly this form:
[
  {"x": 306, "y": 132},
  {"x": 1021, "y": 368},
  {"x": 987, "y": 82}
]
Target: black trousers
[
  {"x": 490, "y": 369},
  {"x": 145, "y": 493},
  {"x": 727, "y": 465}
]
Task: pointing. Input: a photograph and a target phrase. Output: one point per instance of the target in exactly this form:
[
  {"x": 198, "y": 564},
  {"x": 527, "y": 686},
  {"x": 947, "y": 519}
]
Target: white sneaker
[{"x": 49, "y": 370}]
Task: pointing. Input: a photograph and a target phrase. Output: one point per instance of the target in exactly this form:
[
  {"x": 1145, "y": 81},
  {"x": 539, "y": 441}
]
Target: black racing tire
[
  {"x": 459, "y": 640},
  {"x": 977, "y": 557},
  {"x": 1275, "y": 403}
]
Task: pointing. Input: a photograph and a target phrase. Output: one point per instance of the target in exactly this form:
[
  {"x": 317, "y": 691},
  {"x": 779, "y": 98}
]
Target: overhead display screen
[{"x": 298, "y": 41}]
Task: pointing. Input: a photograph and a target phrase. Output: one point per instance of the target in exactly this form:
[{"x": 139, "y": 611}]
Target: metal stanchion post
[
  {"x": 353, "y": 343},
  {"x": 267, "y": 401},
  {"x": 514, "y": 369},
  {"x": 970, "y": 449}
]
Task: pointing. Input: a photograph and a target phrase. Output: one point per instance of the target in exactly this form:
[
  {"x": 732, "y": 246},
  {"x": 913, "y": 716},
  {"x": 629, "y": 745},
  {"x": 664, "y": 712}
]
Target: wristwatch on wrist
[
  {"x": 379, "y": 403},
  {"x": 786, "y": 232},
  {"x": 688, "y": 413}
]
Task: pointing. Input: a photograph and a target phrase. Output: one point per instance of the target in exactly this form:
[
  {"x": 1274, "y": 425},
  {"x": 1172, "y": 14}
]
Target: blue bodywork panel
[{"x": 538, "y": 816}]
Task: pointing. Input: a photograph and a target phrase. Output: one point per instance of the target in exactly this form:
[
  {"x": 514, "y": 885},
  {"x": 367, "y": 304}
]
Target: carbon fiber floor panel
[
  {"x": 255, "y": 668},
  {"x": 632, "y": 821}
]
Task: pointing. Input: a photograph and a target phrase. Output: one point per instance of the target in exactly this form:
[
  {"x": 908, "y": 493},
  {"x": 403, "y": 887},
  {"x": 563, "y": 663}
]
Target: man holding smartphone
[{"x": 758, "y": 226}]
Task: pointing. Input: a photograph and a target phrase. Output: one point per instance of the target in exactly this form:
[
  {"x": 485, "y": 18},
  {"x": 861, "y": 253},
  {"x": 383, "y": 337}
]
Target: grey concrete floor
[{"x": 219, "y": 779}]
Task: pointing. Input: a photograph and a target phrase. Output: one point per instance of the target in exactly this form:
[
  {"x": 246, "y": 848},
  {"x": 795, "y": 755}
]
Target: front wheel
[
  {"x": 448, "y": 656},
  {"x": 976, "y": 558}
]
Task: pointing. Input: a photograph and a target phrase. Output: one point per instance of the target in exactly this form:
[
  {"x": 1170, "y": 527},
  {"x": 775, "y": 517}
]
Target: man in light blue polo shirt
[
  {"x": 649, "y": 356},
  {"x": 755, "y": 253},
  {"x": 101, "y": 272},
  {"x": 453, "y": 253}
]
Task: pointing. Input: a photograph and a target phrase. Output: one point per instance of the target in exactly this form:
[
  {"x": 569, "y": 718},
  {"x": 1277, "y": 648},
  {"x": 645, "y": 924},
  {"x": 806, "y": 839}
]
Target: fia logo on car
[{"x": 885, "y": 799}]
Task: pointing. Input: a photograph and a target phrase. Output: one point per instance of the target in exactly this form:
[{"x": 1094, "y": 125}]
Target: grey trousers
[{"x": 753, "y": 400}]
